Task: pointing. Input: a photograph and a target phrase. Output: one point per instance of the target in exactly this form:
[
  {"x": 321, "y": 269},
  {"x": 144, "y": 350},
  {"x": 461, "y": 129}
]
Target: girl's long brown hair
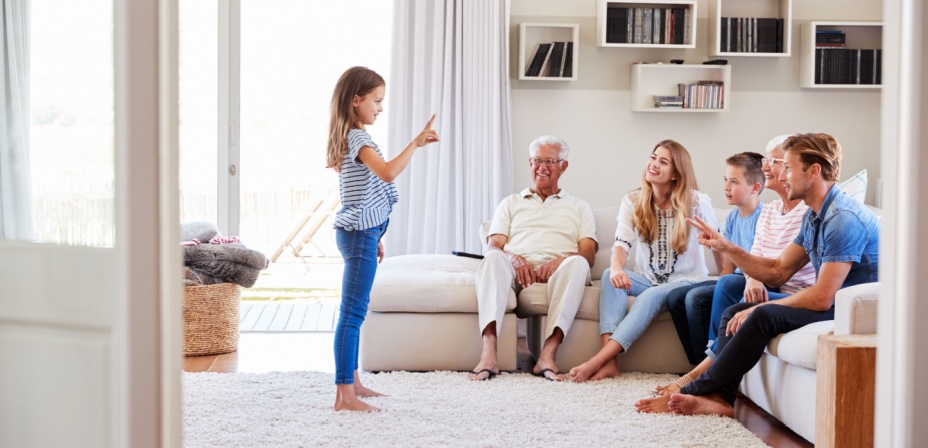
[
  {"x": 681, "y": 199},
  {"x": 356, "y": 81}
]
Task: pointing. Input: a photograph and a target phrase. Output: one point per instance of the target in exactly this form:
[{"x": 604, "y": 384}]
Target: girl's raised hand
[{"x": 427, "y": 135}]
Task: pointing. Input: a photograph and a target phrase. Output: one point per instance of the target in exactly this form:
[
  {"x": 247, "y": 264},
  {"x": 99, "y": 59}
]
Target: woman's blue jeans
[
  {"x": 649, "y": 302},
  {"x": 359, "y": 250}
]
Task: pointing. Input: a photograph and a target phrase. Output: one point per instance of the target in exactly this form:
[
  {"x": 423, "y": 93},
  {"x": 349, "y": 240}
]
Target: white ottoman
[{"x": 423, "y": 316}]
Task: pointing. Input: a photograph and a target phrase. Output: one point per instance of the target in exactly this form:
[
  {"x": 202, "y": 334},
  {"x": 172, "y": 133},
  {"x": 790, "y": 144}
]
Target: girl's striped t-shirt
[{"x": 366, "y": 199}]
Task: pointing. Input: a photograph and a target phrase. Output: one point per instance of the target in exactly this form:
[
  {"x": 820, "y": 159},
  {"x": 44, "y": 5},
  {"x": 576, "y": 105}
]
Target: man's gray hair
[
  {"x": 548, "y": 140},
  {"x": 776, "y": 142}
]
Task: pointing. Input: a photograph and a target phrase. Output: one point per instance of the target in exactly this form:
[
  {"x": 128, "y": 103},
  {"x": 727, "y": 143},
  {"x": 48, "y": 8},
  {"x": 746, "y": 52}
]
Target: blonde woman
[{"x": 667, "y": 254}]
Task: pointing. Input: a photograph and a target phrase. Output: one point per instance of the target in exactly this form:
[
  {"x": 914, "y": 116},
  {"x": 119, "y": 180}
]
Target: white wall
[{"x": 610, "y": 144}]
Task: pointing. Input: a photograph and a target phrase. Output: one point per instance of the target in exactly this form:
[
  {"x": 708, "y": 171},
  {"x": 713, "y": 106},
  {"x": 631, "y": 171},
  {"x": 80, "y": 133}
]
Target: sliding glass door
[{"x": 292, "y": 53}]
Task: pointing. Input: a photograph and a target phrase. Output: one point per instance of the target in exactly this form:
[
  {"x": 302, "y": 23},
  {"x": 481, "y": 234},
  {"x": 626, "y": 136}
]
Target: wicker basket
[{"x": 211, "y": 319}]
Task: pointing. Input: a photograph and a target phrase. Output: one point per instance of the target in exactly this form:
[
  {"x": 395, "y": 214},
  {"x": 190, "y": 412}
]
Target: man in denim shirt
[{"x": 841, "y": 238}]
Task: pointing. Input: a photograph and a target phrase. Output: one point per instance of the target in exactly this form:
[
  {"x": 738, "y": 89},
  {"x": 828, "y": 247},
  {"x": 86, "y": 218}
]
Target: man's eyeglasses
[
  {"x": 537, "y": 161},
  {"x": 770, "y": 161}
]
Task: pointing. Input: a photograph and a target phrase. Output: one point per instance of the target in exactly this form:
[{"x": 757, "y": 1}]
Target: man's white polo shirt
[{"x": 541, "y": 230}]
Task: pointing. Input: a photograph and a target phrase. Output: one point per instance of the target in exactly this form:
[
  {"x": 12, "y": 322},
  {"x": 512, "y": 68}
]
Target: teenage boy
[{"x": 690, "y": 306}]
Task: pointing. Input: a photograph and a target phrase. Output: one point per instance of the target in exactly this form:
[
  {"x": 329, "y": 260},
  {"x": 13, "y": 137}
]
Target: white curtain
[
  {"x": 451, "y": 58},
  {"x": 15, "y": 189}
]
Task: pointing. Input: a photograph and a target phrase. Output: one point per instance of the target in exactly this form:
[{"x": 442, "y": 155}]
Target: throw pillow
[{"x": 856, "y": 186}]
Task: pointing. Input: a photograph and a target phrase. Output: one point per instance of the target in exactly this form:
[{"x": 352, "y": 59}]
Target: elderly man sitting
[{"x": 540, "y": 235}]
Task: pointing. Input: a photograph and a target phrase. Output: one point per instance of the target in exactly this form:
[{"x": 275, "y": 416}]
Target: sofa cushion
[
  {"x": 428, "y": 284},
  {"x": 800, "y": 346}
]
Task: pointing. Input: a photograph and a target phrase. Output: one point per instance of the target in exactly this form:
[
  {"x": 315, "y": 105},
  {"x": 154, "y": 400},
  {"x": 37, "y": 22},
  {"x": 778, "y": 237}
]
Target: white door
[{"x": 89, "y": 340}]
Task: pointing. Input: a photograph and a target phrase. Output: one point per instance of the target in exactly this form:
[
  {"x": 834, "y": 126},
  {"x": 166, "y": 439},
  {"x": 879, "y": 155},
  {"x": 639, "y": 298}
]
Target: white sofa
[{"x": 423, "y": 316}]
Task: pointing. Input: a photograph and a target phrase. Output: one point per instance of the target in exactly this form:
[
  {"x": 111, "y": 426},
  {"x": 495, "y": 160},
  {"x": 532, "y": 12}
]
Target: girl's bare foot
[
  {"x": 354, "y": 405},
  {"x": 609, "y": 370},
  {"x": 653, "y": 405},
  {"x": 696, "y": 405},
  {"x": 346, "y": 399},
  {"x": 365, "y": 392},
  {"x": 362, "y": 391}
]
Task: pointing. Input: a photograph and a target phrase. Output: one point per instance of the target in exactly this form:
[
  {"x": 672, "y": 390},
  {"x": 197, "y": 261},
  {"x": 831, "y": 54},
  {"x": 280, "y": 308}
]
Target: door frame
[{"x": 147, "y": 200}]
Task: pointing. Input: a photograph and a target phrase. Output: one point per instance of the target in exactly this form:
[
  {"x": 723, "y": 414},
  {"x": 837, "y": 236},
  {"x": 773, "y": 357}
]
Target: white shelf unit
[
  {"x": 859, "y": 35},
  {"x": 531, "y": 35},
  {"x": 602, "y": 11},
  {"x": 778, "y": 9},
  {"x": 662, "y": 79}
]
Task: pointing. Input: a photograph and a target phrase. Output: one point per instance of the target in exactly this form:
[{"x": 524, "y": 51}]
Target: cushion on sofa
[
  {"x": 432, "y": 283},
  {"x": 800, "y": 346},
  {"x": 855, "y": 186}
]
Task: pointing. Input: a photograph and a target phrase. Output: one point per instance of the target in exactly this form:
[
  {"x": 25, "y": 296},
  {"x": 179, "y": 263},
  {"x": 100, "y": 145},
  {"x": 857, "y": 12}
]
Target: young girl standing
[
  {"x": 367, "y": 192},
  {"x": 667, "y": 255}
]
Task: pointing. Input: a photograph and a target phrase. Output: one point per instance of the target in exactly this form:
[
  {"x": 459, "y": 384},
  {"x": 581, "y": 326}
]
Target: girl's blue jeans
[{"x": 359, "y": 250}]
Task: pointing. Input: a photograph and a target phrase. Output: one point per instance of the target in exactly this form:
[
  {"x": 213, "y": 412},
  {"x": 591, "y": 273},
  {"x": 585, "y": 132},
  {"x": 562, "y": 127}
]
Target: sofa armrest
[{"x": 855, "y": 309}]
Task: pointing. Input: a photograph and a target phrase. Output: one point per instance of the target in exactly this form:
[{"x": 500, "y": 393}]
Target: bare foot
[
  {"x": 365, "y": 392},
  {"x": 609, "y": 370},
  {"x": 583, "y": 372},
  {"x": 694, "y": 405},
  {"x": 666, "y": 390},
  {"x": 653, "y": 405},
  {"x": 354, "y": 405},
  {"x": 346, "y": 399}
]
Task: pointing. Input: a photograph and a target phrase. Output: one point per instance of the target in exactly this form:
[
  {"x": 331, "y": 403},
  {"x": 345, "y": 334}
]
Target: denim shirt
[{"x": 843, "y": 230}]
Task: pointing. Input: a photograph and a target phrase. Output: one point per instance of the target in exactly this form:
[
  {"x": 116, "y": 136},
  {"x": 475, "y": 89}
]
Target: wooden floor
[{"x": 260, "y": 352}]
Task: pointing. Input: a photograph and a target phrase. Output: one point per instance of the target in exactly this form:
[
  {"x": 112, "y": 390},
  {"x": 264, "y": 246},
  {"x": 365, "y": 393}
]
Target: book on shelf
[
  {"x": 543, "y": 68},
  {"x": 668, "y": 102},
  {"x": 668, "y": 26},
  {"x": 751, "y": 35},
  {"x": 843, "y": 66},
  {"x": 569, "y": 61},
  {"x": 705, "y": 94},
  {"x": 541, "y": 52},
  {"x": 552, "y": 60}
]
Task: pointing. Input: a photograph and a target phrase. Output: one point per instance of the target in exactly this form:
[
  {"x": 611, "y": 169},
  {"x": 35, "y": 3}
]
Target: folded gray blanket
[
  {"x": 231, "y": 262},
  {"x": 202, "y": 231}
]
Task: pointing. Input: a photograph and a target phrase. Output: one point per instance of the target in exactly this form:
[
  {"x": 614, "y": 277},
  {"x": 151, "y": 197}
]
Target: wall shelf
[
  {"x": 533, "y": 35},
  {"x": 859, "y": 36},
  {"x": 609, "y": 24},
  {"x": 765, "y": 9},
  {"x": 662, "y": 79}
]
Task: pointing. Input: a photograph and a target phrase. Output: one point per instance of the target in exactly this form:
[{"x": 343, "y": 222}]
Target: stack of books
[
  {"x": 837, "y": 64},
  {"x": 552, "y": 60},
  {"x": 702, "y": 95},
  {"x": 668, "y": 102},
  {"x": 751, "y": 35},
  {"x": 648, "y": 26}
]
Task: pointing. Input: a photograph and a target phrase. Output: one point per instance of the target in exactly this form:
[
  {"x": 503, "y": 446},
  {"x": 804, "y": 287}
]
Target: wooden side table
[{"x": 845, "y": 388}]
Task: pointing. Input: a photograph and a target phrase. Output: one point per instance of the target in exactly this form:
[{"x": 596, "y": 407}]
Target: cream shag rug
[{"x": 294, "y": 409}]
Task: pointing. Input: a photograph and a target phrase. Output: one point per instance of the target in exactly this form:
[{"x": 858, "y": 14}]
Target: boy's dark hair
[{"x": 752, "y": 163}]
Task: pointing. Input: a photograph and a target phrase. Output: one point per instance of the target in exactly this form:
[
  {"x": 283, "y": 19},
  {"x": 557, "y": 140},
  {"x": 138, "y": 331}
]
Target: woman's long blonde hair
[
  {"x": 681, "y": 198},
  {"x": 356, "y": 81}
]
